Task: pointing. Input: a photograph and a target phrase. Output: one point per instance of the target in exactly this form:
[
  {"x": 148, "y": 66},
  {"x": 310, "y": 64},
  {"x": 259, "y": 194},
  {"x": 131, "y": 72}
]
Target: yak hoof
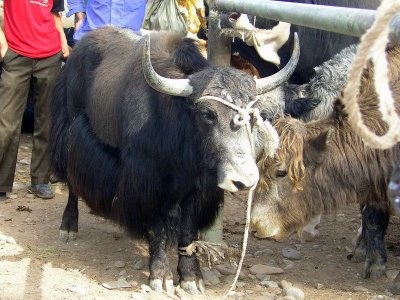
[
  {"x": 394, "y": 286},
  {"x": 307, "y": 236},
  {"x": 358, "y": 255},
  {"x": 169, "y": 286},
  {"x": 374, "y": 271},
  {"x": 65, "y": 235},
  {"x": 202, "y": 286},
  {"x": 191, "y": 287},
  {"x": 157, "y": 285}
]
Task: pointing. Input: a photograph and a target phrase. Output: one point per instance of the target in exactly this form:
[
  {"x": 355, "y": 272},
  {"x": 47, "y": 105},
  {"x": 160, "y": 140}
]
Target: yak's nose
[
  {"x": 234, "y": 182},
  {"x": 241, "y": 186}
]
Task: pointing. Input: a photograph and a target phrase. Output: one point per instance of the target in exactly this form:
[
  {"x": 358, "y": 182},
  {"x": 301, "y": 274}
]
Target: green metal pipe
[{"x": 349, "y": 21}]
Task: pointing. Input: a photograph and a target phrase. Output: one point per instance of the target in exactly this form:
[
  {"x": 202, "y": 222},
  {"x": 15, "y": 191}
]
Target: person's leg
[
  {"x": 45, "y": 73},
  {"x": 14, "y": 87}
]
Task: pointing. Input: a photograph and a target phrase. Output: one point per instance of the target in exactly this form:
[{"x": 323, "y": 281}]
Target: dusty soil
[{"x": 39, "y": 266}]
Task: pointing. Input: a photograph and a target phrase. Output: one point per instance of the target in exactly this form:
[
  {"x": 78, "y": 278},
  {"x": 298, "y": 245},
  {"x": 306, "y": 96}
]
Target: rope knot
[
  {"x": 214, "y": 251},
  {"x": 255, "y": 112},
  {"x": 242, "y": 117}
]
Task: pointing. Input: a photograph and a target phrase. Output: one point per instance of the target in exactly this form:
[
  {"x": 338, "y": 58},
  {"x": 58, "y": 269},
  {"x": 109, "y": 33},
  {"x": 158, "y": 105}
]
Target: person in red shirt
[{"x": 32, "y": 47}]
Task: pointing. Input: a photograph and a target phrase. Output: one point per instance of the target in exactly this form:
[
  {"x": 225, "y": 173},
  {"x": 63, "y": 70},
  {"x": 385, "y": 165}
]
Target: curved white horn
[
  {"x": 169, "y": 86},
  {"x": 269, "y": 83}
]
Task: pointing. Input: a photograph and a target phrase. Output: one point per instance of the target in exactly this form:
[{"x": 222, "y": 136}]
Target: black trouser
[{"x": 14, "y": 87}]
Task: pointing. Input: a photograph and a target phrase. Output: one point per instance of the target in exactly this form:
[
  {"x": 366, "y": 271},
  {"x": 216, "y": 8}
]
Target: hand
[
  {"x": 3, "y": 50},
  {"x": 65, "y": 50},
  {"x": 3, "y": 44}
]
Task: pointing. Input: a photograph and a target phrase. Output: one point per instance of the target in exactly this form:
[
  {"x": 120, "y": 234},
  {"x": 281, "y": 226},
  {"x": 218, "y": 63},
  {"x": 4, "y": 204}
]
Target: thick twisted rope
[
  {"x": 373, "y": 45},
  {"x": 271, "y": 140}
]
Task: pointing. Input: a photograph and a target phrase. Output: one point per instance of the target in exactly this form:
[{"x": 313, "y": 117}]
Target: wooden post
[
  {"x": 218, "y": 48},
  {"x": 219, "y": 54}
]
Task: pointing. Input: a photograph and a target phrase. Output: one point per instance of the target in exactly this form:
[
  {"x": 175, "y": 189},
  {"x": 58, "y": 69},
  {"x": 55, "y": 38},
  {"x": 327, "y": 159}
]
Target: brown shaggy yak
[{"x": 322, "y": 165}]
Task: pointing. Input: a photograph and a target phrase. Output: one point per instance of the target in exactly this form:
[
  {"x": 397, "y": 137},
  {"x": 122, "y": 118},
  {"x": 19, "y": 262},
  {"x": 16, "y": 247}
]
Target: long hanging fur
[{"x": 111, "y": 175}]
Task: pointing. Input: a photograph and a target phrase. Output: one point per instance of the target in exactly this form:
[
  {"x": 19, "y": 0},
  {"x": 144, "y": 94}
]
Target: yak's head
[
  {"x": 288, "y": 198},
  {"x": 226, "y": 114}
]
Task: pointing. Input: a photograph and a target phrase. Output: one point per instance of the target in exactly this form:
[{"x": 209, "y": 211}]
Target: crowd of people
[{"x": 32, "y": 47}]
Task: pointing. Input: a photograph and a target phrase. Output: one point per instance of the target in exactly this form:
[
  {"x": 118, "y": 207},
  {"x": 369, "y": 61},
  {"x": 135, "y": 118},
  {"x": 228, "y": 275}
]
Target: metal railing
[{"x": 349, "y": 21}]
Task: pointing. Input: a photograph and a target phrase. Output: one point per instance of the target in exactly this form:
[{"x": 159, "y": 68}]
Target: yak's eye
[
  {"x": 234, "y": 16},
  {"x": 281, "y": 173},
  {"x": 208, "y": 115}
]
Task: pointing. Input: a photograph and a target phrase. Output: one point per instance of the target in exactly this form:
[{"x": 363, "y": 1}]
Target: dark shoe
[
  {"x": 41, "y": 190},
  {"x": 3, "y": 196}
]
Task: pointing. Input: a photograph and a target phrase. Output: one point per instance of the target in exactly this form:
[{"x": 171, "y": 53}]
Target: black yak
[{"x": 154, "y": 149}]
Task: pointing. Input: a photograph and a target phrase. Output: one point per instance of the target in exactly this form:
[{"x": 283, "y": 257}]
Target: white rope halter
[{"x": 243, "y": 117}]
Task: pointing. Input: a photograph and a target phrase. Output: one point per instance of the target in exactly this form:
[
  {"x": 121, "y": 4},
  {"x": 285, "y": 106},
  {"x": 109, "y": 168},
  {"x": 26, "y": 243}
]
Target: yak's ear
[
  {"x": 320, "y": 143},
  {"x": 296, "y": 108},
  {"x": 317, "y": 147}
]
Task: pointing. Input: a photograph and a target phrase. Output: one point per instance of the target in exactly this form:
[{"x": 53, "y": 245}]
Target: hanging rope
[
  {"x": 373, "y": 45},
  {"x": 244, "y": 244}
]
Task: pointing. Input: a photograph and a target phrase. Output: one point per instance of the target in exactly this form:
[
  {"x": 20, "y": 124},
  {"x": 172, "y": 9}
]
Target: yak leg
[
  {"x": 375, "y": 222},
  {"x": 359, "y": 253},
  {"x": 394, "y": 286},
  {"x": 309, "y": 231},
  {"x": 160, "y": 272},
  {"x": 191, "y": 279},
  {"x": 69, "y": 223},
  {"x": 370, "y": 244}
]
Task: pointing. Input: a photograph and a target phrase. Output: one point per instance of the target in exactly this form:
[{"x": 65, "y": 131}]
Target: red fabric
[{"x": 30, "y": 28}]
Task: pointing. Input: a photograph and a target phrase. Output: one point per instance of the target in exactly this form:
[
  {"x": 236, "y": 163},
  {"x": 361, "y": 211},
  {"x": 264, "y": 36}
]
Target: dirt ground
[{"x": 39, "y": 266}]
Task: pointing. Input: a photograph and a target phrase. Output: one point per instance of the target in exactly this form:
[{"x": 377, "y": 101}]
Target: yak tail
[{"x": 68, "y": 100}]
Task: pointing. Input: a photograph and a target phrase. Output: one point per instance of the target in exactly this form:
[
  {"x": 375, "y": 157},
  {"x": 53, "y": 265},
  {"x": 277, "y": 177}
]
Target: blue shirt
[{"x": 122, "y": 13}]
